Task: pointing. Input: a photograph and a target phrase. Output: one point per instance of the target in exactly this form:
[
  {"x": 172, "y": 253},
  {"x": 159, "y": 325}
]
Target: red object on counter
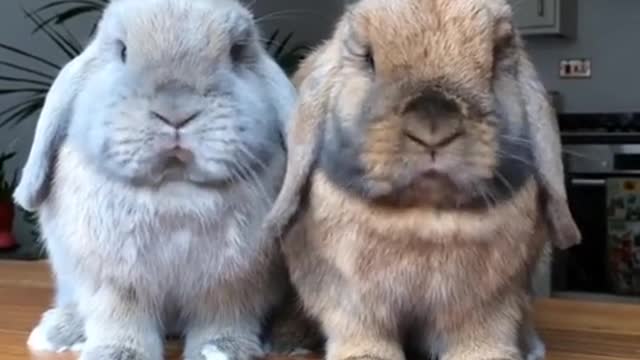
[
  {"x": 7, "y": 241},
  {"x": 7, "y": 213}
]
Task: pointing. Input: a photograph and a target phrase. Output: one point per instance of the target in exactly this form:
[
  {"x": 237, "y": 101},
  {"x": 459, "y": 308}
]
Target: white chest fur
[{"x": 177, "y": 238}]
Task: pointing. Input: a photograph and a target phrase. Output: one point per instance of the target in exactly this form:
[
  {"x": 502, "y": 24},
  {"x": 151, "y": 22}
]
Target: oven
[{"x": 603, "y": 189}]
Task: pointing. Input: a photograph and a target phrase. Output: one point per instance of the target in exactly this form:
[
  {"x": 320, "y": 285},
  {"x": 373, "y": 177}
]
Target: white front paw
[
  {"x": 38, "y": 342},
  {"x": 211, "y": 352},
  {"x": 537, "y": 351}
]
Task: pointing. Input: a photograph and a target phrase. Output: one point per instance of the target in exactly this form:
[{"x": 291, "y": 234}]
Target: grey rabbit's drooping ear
[
  {"x": 521, "y": 95},
  {"x": 304, "y": 135},
  {"x": 51, "y": 129}
]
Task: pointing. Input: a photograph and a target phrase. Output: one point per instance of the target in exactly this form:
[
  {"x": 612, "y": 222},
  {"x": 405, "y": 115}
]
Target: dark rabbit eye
[
  {"x": 123, "y": 51},
  {"x": 368, "y": 57},
  {"x": 238, "y": 51}
]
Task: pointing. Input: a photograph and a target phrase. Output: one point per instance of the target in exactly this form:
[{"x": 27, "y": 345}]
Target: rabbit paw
[
  {"x": 60, "y": 329},
  {"x": 229, "y": 349},
  {"x": 535, "y": 347},
  {"x": 112, "y": 352},
  {"x": 537, "y": 352},
  {"x": 300, "y": 352}
]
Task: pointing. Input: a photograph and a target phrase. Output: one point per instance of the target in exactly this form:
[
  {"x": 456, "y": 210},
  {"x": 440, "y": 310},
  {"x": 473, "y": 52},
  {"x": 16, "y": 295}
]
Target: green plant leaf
[
  {"x": 59, "y": 3},
  {"x": 64, "y": 16},
  {"x": 4, "y": 157},
  {"x": 64, "y": 43},
  {"x": 25, "y": 102},
  {"x": 286, "y": 56},
  {"x": 283, "y": 44},
  {"x": 29, "y": 56},
  {"x": 26, "y": 69},
  {"x": 70, "y": 9},
  {"x": 22, "y": 113},
  {"x": 271, "y": 39},
  {"x": 24, "y": 80},
  {"x": 23, "y": 90}
]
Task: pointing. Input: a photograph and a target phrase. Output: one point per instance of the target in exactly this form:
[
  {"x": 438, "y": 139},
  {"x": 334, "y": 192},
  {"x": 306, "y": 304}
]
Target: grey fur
[
  {"x": 114, "y": 352},
  {"x": 62, "y": 327},
  {"x": 146, "y": 241}
]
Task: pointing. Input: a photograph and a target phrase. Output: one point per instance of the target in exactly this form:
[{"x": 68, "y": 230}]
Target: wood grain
[{"x": 573, "y": 330}]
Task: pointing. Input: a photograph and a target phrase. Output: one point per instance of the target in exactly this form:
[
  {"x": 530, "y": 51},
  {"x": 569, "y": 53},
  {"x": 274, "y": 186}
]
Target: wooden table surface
[{"x": 572, "y": 330}]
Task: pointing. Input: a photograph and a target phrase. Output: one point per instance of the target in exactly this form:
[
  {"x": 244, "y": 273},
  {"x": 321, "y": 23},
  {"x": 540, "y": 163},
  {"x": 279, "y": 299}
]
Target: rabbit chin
[
  {"x": 165, "y": 170},
  {"x": 430, "y": 189},
  {"x": 434, "y": 188}
]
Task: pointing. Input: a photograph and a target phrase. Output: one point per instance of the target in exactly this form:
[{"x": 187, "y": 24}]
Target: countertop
[{"x": 573, "y": 330}]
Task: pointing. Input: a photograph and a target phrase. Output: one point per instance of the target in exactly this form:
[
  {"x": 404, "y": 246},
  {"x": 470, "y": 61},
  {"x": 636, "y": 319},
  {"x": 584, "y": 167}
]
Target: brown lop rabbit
[{"x": 423, "y": 183}]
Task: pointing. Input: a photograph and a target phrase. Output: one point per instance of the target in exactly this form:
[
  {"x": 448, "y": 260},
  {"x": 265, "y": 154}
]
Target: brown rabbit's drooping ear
[
  {"x": 304, "y": 135},
  {"x": 308, "y": 65},
  {"x": 51, "y": 130},
  {"x": 548, "y": 152},
  {"x": 521, "y": 95}
]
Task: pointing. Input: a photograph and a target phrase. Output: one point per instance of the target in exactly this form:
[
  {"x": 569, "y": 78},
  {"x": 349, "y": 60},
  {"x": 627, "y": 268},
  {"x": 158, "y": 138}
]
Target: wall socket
[{"x": 575, "y": 68}]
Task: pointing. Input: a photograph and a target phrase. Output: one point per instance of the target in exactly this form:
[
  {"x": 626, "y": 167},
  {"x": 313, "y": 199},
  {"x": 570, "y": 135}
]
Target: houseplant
[
  {"x": 7, "y": 209},
  {"x": 288, "y": 57},
  {"x": 32, "y": 83}
]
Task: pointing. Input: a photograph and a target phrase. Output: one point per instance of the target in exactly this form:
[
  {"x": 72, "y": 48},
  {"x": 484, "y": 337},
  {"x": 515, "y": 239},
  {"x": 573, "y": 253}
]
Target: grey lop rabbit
[{"x": 156, "y": 157}]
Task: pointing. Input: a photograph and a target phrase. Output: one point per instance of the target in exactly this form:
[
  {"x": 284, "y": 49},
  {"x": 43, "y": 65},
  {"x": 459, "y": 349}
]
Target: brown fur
[
  {"x": 413, "y": 259},
  {"x": 371, "y": 274},
  {"x": 322, "y": 73}
]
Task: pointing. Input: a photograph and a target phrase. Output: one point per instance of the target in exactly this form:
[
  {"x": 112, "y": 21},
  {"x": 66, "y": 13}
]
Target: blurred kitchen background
[{"x": 585, "y": 51}]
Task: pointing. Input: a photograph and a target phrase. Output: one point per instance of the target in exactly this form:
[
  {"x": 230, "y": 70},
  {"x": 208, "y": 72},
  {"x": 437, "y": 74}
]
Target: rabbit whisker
[
  {"x": 485, "y": 196},
  {"x": 215, "y": 128},
  {"x": 505, "y": 182},
  {"x": 517, "y": 139},
  {"x": 220, "y": 141},
  {"x": 518, "y": 158},
  {"x": 253, "y": 181},
  {"x": 218, "y": 159},
  {"x": 580, "y": 155},
  {"x": 257, "y": 183},
  {"x": 250, "y": 5}
]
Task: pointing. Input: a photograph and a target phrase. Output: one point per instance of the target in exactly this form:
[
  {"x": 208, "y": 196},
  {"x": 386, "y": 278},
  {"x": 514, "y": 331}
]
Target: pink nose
[{"x": 175, "y": 120}]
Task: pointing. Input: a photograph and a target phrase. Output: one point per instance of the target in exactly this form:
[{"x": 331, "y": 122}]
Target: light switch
[{"x": 575, "y": 68}]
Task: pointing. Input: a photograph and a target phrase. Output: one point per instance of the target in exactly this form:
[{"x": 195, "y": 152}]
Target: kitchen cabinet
[{"x": 545, "y": 17}]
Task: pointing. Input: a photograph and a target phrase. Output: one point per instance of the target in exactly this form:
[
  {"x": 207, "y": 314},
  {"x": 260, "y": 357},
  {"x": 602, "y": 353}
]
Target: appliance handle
[
  {"x": 541, "y": 8},
  {"x": 588, "y": 182}
]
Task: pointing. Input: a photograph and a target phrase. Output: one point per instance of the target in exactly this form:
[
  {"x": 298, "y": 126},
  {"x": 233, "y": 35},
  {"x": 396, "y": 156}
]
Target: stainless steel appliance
[{"x": 602, "y": 180}]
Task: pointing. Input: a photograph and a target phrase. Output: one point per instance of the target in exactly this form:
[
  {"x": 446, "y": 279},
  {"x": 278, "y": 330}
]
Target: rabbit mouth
[
  {"x": 432, "y": 173},
  {"x": 176, "y": 162},
  {"x": 180, "y": 155}
]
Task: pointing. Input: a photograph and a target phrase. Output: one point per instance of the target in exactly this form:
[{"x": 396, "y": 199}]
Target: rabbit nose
[
  {"x": 432, "y": 105},
  {"x": 433, "y": 134},
  {"x": 175, "y": 120},
  {"x": 433, "y": 120}
]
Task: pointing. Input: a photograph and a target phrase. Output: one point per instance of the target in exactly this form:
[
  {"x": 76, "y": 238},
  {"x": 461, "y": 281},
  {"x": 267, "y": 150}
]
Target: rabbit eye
[
  {"x": 368, "y": 57},
  {"x": 123, "y": 51},
  {"x": 238, "y": 52}
]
